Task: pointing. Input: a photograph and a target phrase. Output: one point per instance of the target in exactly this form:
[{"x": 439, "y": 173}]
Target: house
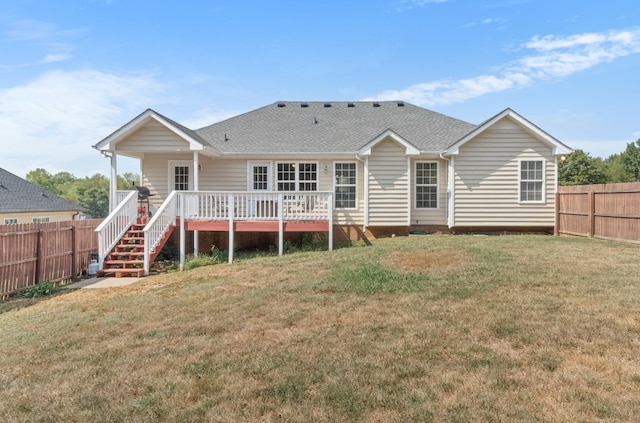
[
  {"x": 24, "y": 202},
  {"x": 366, "y": 168}
]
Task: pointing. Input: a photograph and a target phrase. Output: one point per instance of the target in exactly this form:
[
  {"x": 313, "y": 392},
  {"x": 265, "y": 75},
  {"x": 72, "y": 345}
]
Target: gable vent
[
  {"x": 304, "y": 105},
  {"x": 351, "y": 105},
  {"x": 376, "y": 104},
  {"x": 281, "y": 105}
]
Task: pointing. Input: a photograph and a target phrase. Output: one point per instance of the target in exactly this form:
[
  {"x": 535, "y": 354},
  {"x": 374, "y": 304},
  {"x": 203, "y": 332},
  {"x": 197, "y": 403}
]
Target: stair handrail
[
  {"x": 160, "y": 222},
  {"x": 114, "y": 226}
]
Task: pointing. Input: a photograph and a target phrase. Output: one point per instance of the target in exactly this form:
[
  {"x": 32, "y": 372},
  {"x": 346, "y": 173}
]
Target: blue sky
[{"x": 73, "y": 71}]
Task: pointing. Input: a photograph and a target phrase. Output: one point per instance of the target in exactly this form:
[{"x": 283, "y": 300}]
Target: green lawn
[{"x": 427, "y": 328}]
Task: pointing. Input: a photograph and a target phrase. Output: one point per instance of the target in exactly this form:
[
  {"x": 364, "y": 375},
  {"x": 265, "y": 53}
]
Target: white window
[
  {"x": 11, "y": 221},
  {"x": 297, "y": 176},
  {"x": 40, "y": 219},
  {"x": 426, "y": 185},
  {"x": 259, "y": 176},
  {"x": 346, "y": 177},
  {"x": 180, "y": 175},
  {"x": 532, "y": 181}
]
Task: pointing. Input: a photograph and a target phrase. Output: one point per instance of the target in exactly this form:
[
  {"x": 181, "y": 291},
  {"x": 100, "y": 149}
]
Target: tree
[
  {"x": 91, "y": 192},
  {"x": 630, "y": 159},
  {"x": 579, "y": 168}
]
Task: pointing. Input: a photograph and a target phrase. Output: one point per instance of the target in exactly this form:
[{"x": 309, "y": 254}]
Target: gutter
[
  {"x": 365, "y": 163},
  {"x": 450, "y": 189}
]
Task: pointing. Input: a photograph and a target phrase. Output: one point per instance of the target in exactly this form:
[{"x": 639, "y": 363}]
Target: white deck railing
[
  {"x": 116, "y": 225},
  {"x": 121, "y": 195},
  {"x": 154, "y": 231},
  {"x": 265, "y": 206}
]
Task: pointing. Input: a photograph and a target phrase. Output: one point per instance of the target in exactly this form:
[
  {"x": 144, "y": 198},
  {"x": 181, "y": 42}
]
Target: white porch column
[
  {"x": 113, "y": 182},
  {"x": 280, "y": 223},
  {"x": 330, "y": 240},
  {"x": 182, "y": 234},
  {"x": 196, "y": 179}
]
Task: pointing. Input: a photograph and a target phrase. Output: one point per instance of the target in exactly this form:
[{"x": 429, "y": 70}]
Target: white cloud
[
  {"x": 52, "y": 121},
  {"x": 410, "y": 4},
  {"x": 555, "y": 57}
]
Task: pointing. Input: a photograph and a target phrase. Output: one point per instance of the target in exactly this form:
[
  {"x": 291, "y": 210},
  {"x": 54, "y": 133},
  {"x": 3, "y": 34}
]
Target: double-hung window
[
  {"x": 532, "y": 181},
  {"x": 40, "y": 219},
  {"x": 345, "y": 185},
  {"x": 426, "y": 185},
  {"x": 10, "y": 221},
  {"x": 297, "y": 176}
]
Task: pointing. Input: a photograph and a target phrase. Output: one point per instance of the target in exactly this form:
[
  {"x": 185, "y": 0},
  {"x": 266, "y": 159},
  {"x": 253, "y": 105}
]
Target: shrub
[{"x": 43, "y": 289}]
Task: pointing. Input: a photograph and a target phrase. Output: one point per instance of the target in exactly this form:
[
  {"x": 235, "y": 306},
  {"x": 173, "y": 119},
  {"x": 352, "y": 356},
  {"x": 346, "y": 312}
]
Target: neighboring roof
[
  {"x": 331, "y": 127},
  {"x": 557, "y": 146},
  {"x": 18, "y": 195},
  {"x": 188, "y": 134}
]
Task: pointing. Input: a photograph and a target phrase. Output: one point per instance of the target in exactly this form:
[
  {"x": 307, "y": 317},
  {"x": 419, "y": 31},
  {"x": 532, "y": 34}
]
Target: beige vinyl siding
[
  {"x": 421, "y": 216},
  {"x": 487, "y": 179},
  {"x": 388, "y": 185},
  {"x": 155, "y": 174},
  {"x": 28, "y": 217},
  {"x": 153, "y": 137},
  {"x": 231, "y": 175}
]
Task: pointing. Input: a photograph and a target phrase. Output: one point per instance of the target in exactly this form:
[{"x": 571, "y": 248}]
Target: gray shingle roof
[
  {"x": 18, "y": 195},
  {"x": 331, "y": 127}
]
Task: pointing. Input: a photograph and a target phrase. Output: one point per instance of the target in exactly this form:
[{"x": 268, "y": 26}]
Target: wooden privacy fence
[
  {"x": 31, "y": 253},
  {"x": 609, "y": 211}
]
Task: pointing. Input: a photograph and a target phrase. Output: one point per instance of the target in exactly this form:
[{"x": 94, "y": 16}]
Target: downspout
[
  {"x": 450, "y": 189},
  {"x": 365, "y": 164}
]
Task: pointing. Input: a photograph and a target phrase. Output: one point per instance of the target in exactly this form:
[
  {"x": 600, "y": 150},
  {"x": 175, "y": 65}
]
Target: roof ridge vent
[
  {"x": 327, "y": 104},
  {"x": 281, "y": 105},
  {"x": 304, "y": 105},
  {"x": 400, "y": 103},
  {"x": 376, "y": 104},
  {"x": 351, "y": 105}
]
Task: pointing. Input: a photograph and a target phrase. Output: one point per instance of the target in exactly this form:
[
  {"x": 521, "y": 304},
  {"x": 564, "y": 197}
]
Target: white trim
[
  {"x": 109, "y": 143},
  {"x": 409, "y": 191},
  {"x": 171, "y": 173},
  {"x": 557, "y": 147},
  {"x": 415, "y": 184},
  {"x": 366, "y": 192},
  {"x": 452, "y": 192},
  {"x": 411, "y": 150},
  {"x": 333, "y": 177},
  {"x": 544, "y": 180},
  {"x": 250, "y": 166},
  {"x": 113, "y": 181}
]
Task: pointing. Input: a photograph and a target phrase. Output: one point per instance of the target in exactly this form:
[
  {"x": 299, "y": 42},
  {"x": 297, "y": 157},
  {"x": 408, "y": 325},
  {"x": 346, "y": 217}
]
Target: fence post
[
  {"x": 591, "y": 213},
  {"x": 556, "y": 227},
  {"x": 38, "y": 255},
  {"x": 74, "y": 253}
]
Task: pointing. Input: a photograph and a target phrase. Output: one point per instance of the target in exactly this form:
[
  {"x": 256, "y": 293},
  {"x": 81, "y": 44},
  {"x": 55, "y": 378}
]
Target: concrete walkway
[{"x": 105, "y": 282}]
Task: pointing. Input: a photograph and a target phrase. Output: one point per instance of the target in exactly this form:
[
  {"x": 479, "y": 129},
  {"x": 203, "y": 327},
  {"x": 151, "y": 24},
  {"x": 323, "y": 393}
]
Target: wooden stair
[{"x": 127, "y": 257}]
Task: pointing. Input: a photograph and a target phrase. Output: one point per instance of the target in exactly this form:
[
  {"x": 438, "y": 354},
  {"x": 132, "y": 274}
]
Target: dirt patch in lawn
[{"x": 421, "y": 260}]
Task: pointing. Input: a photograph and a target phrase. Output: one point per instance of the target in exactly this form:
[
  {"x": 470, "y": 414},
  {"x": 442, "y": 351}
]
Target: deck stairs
[{"x": 127, "y": 257}]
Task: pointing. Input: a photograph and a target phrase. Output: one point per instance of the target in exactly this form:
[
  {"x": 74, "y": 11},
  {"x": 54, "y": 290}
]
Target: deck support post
[
  {"x": 231, "y": 232},
  {"x": 280, "y": 223},
  {"x": 182, "y": 234}
]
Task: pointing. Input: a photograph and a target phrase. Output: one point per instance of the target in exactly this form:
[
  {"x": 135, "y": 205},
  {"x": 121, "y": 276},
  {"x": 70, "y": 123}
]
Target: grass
[{"x": 431, "y": 328}]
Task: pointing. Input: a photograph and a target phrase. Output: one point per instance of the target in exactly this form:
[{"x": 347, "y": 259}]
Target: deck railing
[
  {"x": 267, "y": 206},
  {"x": 121, "y": 195},
  {"x": 155, "y": 230},
  {"x": 116, "y": 225}
]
